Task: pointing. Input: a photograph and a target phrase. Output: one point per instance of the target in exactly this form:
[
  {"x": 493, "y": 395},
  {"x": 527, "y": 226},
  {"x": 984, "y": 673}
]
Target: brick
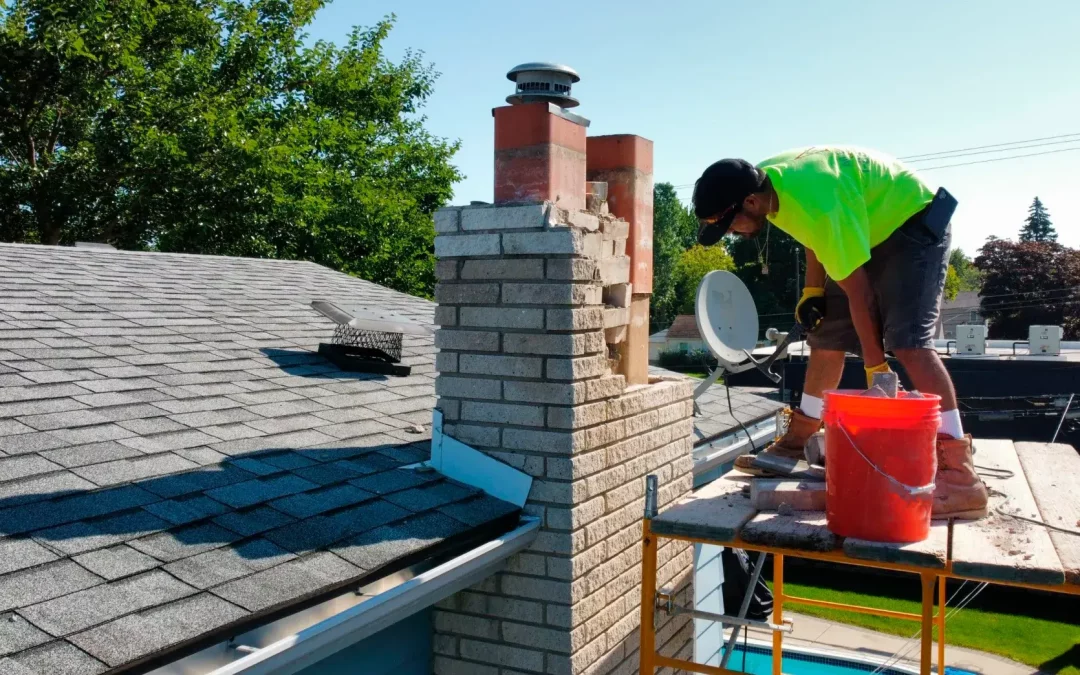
[
  {"x": 615, "y": 271},
  {"x": 543, "y": 441},
  {"x": 671, "y": 413},
  {"x": 467, "y": 340},
  {"x": 502, "y": 655},
  {"x": 605, "y": 387},
  {"x": 589, "y": 318},
  {"x": 446, "y": 666},
  {"x": 558, "y": 241},
  {"x": 539, "y": 638},
  {"x": 615, "y": 229},
  {"x": 606, "y": 480},
  {"x": 445, "y": 645},
  {"x": 557, "y": 393},
  {"x": 643, "y": 423},
  {"x": 616, "y": 316},
  {"x": 544, "y": 294},
  {"x": 557, "y": 492},
  {"x": 468, "y": 387},
  {"x": 526, "y": 563},
  {"x": 505, "y": 366},
  {"x": 474, "y": 435},
  {"x": 523, "y": 415},
  {"x": 466, "y": 294},
  {"x": 617, "y": 335},
  {"x": 502, "y": 317},
  {"x": 446, "y": 270},
  {"x": 466, "y": 245},
  {"x": 446, "y": 362},
  {"x": 576, "y": 516},
  {"x": 451, "y": 408},
  {"x": 572, "y": 269},
  {"x": 605, "y": 434},
  {"x": 446, "y": 316},
  {"x": 558, "y": 615},
  {"x": 504, "y": 217},
  {"x": 550, "y": 344},
  {"x": 618, "y": 295},
  {"x": 577, "y": 417},
  {"x": 499, "y": 270},
  {"x": 534, "y": 589},
  {"x": 620, "y": 496},
  {"x": 460, "y": 624},
  {"x": 583, "y": 219},
  {"x": 576, "y": 369},
  {"x": 447, "y": 220},
  {"x": 534, "y": 466}
]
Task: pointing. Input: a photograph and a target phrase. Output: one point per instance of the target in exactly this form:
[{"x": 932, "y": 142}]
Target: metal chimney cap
[
  {"x": 542, "y": 66},
  {"x": 543, "y": 82}
]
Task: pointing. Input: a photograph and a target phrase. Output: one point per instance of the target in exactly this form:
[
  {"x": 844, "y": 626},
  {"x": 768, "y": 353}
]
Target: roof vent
[{"x": 543, "y": 82}]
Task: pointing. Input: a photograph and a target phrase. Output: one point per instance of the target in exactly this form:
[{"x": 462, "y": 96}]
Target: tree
[
  {"x": 968, "y": 275},
  {"x": 1029, "y": 283},
  {"x": 952, "y": 283},
  {"x": 777, "y": 291},
  {"x": 1037, "y": 226},
  {"x": 207, "y": 126},
  {"x": 674, "y": 231},
  {"x": 693, "y": 265}
]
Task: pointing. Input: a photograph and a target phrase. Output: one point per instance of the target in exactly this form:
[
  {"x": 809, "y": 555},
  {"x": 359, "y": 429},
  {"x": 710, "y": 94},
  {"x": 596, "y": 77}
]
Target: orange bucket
[{"x": 880, "y": 465}]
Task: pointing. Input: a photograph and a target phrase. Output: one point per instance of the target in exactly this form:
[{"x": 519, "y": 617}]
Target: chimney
[{"x": 534, "y": 299}]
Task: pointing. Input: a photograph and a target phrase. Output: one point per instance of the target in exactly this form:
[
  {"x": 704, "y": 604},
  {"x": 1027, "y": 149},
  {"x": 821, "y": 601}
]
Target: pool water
[{"x": 759, "y": 662}]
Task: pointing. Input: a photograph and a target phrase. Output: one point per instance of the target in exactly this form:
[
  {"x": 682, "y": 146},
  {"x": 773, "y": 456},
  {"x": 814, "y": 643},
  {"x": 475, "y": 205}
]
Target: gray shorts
[{"x": 907, "y": 273}]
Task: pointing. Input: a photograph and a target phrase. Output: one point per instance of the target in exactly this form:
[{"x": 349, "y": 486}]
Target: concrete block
[
  {"x": 592, "y": 245},
  {"x": 559, "y": 241},
  {"x": 605, "y": 387},
  {"x": 563, "y": 442},
  {"x": 594, "y": 295},
  {"x": 615, "y": 228},
  {"x": 768, "y": 494},
  {"x": 502, "y": 413},
  {"x": 576, "y": 369},
  {"x": 451, "y": 408},
  {"x": 549, "y": 344},
  {"x": 468, "y": 387},
  {"x": 466, "y": 294},
  {"x": 447, "y": 666},
  {"x": 557, "y": 393},
  {"x": 447, "y": 220},
  {"x": 605, "y": 434},
  {"x": 502, "y": 655},
  {"x": 583, "y": 219},
  {"x": 618, "y": 295},
  {"x": 577, "y": 417},
  {"x": 572, "y": 269},
  {"x": 472, "y": 434},
  {"x": 499, "y": 366},
  {"x": 518, "y": 268},
  {"x": 815, "y": 448},
  {"x": 544, "y": 294},
  {"x": 615, "y": 270},
  {"x": 446, "y": 270},
  {"x": 446, "y": 362},
  {"x": 503, "y": 217},
  {"x": 446, "y": 316},
  {"x": 589, "y": 318},
  {"x": 467, "y": 340},
  {"x": 594, "y": 342},
  {"x": 614, "y": 336},
  {"x": 502, "y": 317},
  {"x": 466, "y": 245},
  {"x": 616, "y": 316}
]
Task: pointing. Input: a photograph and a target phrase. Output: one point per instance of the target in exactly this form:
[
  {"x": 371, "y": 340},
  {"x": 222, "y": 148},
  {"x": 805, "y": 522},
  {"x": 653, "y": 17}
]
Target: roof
[
  {"x": 963, "y": 300},
  {"x": 176, "y": 462},
  {"x": 684, "y": 326},
  {"x": 659, "y": 336},
  {"x": 748, "y": 405}
]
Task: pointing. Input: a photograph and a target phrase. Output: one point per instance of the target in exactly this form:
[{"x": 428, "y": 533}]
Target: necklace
[{"x": 763, "y": 254}]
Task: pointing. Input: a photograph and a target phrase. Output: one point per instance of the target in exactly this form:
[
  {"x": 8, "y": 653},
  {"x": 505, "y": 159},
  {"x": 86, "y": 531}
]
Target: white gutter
[
  {"x": 311, "y": 645},
  {"x": 734, "y": 443}
]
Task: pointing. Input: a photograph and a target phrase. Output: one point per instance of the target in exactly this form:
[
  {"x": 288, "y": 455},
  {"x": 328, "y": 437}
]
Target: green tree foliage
[
  {"x": 1037, "y": 226},
  {"x": 952, "y": 283},
  {"x": 674, "y": 231},
  {"x": 693, "y": 265},
  {"x": 207, "y": 126},
  {"x": 1029, "y": 283},
  {"x": 967, "y": 273},
  {"x": 776, "y": 292}
]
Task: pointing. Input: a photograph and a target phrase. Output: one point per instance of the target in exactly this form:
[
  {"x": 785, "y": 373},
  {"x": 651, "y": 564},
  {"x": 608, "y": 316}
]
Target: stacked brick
[{"x": 529, "y": 300}]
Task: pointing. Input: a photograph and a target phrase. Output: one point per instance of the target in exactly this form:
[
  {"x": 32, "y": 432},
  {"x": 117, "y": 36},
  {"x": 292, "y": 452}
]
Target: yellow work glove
[
  {"x": 811, "y": 308},
  {"x": 870, "y": 372}
]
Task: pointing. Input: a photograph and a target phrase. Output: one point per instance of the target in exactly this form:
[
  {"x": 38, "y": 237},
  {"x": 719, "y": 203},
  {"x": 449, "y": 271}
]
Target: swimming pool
[{"x": 759, "y": 662}]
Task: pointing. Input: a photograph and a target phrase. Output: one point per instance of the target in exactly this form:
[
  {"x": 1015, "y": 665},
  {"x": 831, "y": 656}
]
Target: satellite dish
[{"x": 726, "y": 317}]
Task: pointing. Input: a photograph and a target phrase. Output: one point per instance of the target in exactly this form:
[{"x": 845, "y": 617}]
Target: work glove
[
  {"x": 883, "y": 367},
  {"x": 811, "y": 308}
]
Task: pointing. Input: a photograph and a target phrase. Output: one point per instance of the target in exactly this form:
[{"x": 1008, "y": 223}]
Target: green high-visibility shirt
[{"x": 840, "y": 202}]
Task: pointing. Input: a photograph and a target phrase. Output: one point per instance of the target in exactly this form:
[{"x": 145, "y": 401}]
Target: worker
[{"x": 877, "y": 247}]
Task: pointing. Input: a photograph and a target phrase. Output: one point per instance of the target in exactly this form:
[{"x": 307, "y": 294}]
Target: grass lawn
[{"x": 1051, "y": 645}]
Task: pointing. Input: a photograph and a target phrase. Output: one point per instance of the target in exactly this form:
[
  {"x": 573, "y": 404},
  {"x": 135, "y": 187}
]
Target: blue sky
[{"x": 707, "y": 79}]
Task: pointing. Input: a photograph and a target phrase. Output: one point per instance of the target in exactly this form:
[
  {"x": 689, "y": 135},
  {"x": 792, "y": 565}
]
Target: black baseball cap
[{"x": 719, "y": 195}]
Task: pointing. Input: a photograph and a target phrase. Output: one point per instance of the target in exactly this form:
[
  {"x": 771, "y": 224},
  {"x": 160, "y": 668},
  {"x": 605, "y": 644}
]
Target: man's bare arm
[
  {"x": 815, "y": 271},
  {"x": 864, "y": 314}
]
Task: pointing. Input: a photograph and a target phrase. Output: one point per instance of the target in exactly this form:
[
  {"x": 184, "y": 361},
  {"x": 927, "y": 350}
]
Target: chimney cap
[{"x": 543, "y": 82}]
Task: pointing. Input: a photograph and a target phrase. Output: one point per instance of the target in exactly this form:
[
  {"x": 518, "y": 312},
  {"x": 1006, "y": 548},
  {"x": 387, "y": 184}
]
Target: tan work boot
[
  {"x": 958, "y": 491},
  {"x": 790, "y": 445}
]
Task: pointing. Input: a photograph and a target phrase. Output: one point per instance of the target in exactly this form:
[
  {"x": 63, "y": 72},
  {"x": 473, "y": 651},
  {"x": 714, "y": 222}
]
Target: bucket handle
[{"x": 903, "y": 488}]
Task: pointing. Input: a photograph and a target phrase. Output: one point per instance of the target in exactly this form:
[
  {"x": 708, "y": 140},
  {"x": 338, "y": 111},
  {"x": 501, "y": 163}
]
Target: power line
[
  {"x": 988, "y": 152},
  {"x": 995, "y": 145},
  {"x": 999, "y": 159}
]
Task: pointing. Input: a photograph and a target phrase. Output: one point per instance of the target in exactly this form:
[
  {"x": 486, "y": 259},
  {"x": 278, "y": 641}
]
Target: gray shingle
[
  {"x": 156, "y": 628},
  {"x": 476, "y": 512},
  {"x": 215, "y": 417},
  {"x": 287, "y": 460},
  {"x": 269, "y": 396},
  {"x": 38, "y": 391},
  {"x": 107, "y": 385},
  {"x": 325, "y": 474},
  {"x": 356, "y": 429},
  {"x": 61, "y": 420},
  {"x": 38, "y": 488},
  {"x": 93, "y": 606},
  {"x": 314, "y": 502},
  {"x": 126, "y": 413},
  {"x": 377, "y": 548},
  {"x": 395, "y": 480},
  {"x": 232, "y": 432},
  {"x": 321, "y": 531},
  {"x": 151, "y": 425},
  {"x": 13, "y": 468},
  {"x": 35, "y": 442},
  {"x": 116, "y": 562},
  {"x": 342, "y": 415},
  {"x": 107, "y": 399},
  {"x": 287, "y": 582},
  {"x": 253, "y": 521},
  {"x": 286, "y": 408},
  {"x": 202, "y": 456},
  {"x": 17, "y": 634},
  {"x": 296, "y": 439},
  {"x": 184, "y": 541},
  {"x": 129, "y": 470},
  {"x": 260, "y": 490},
  {"x": 55, "y": 658},
  {"x": 187, "y": 509},
  {"x": 225, "y": 564},
  {"x": 88, "y": 535},
  {"x": 17, "y": 554},
  {"x": 202, "y": 479},
  {"x": 81, "y": 455},
  {"x": 344, "y": 449},
  {"x": 95, "y": 434},
  {"x": 39, "y": 407},
  {"x": 69, "y": 509},
  {"x": 37, "y": 584},
  {"x": 174, "y": 440},
  {"x": 429, "y": 497},
  {"x": 281, "y": 425}
]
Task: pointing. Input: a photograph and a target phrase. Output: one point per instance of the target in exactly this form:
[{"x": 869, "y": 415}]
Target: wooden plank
[
  {"x": 931, "y": 553},
  {"x": 715, "y": 513},
  {"x": 1053, "y": 473},
  {"x": 805, "y": 531},
  {"x": 999, "y": 547}
]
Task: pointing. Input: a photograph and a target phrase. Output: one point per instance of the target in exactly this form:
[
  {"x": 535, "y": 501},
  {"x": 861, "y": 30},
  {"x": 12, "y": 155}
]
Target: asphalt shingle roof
[{"x": 175, "y": 458}]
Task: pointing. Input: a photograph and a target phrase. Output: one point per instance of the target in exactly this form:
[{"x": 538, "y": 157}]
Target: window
[{"x": 683, "y": 347}]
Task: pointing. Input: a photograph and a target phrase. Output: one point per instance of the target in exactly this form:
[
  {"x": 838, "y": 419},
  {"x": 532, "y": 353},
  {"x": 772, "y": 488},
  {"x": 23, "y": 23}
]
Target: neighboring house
[
  {"x": 182, "y": 477},
  {"x": 961, "y": 310},
  {"x": 681, "y": 336}
]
